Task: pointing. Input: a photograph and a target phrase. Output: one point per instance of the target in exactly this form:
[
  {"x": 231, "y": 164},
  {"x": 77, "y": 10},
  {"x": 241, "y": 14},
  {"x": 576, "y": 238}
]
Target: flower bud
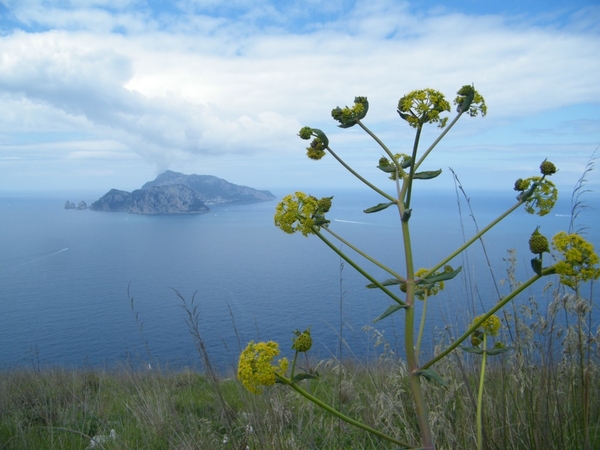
[
  {"x": 303, "y": 341},
  {"x": 521, "y": 185},
  {"x": 305, "y": 133},
  {"x": 324, "y": 205},
  {"x": 538, "y": 243},
  {"x": 547, "y": 168}
]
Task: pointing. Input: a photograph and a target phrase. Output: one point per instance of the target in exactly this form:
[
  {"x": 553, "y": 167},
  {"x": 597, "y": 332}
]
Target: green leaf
[
  {"x": 432, "y": 375},
  {"x": 536, "y": 265},
  {"x": 427, "y": 175},
  {"x": 379, "y": 207},
  {"x": 304, "y": 376},
  {"x": 440, "y": 277},
  {"x": 476, "y": 350},
  {"x": 391, "y": 310},
  {"x": 387, "y": 169},
  {"x": 321, "y": 136},
  {"x": 464, "y": 106},
  {"x": 404, "y": 116},
  {"x": 389, "y": 282},
  {"x": 406, "y": 164},
  {"x": 348, "y": 124},
  {"x": 498, "y": 350}
]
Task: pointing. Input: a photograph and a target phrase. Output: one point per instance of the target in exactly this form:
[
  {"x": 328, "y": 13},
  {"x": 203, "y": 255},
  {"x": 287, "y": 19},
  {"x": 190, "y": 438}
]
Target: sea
[{"x": 87, "y": 289}]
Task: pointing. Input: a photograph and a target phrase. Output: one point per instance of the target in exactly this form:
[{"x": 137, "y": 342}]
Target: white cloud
[{"x": 173, "y": 87}]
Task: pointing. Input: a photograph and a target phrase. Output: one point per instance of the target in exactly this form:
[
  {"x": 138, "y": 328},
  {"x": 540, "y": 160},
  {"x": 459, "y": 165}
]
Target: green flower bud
[
  {"x": 305, "y": 133},
  {"x": 538, "y": 243},
  {"x": 324, "y": 205},
  {"x": 521, "y": 185},
  {"x": 547, "y": 168},
  {"x": 303, "y": 341}
]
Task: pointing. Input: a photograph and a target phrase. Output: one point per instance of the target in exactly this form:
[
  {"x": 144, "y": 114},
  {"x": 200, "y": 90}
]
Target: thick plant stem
[
  {"x": 480, "y": 395},
  {"x": 340, "y": 415},
  {"x": 411, "y": 357}
]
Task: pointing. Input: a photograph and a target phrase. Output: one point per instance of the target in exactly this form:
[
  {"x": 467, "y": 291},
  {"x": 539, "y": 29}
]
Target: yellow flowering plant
[
  {"x": 256, "y": 369},
  {"x": 306, "y": 214},
  {"x": 579, "y": 259}
]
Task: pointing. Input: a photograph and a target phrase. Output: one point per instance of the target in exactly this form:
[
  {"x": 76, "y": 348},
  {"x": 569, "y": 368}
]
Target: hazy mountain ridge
[
  {"x": 212, "y": 190},
  {"x": 177, "y": 193}
]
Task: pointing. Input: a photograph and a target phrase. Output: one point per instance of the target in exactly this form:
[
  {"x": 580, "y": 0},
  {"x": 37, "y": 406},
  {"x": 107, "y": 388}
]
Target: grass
[{"x": 543, "y": 395}]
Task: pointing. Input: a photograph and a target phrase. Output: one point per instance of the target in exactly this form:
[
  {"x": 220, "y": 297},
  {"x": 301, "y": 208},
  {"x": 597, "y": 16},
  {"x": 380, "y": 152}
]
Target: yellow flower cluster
[
  {"x": 490, "y": 327},
  {"x": 543, "y": 198},
  {"x": 427, "y": 289},
  {"x": 423, "y": 106},
  {"x": 255, "y": 367},
  {"x": 579, "y": 260},
  {"x": 301, "y": 212}
]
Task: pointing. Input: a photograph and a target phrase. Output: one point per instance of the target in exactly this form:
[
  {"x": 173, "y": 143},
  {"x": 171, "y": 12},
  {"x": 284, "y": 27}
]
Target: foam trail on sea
[
  {"x": 352, "y": 221},
  {"x": 38, "y": 257}
]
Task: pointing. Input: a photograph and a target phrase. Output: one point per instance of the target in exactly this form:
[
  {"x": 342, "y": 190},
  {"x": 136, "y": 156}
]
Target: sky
[{"x": 101, "y": 94}]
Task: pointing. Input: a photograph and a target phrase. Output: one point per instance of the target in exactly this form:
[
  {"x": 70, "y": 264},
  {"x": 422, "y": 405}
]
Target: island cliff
[{"x": 176, "y": 193}]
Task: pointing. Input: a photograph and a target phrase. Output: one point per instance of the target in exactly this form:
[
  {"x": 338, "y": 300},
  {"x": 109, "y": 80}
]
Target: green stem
[
  {"x": 473, "y": 239},
  {"x": 340, "y": 415},
  {"x": 484, "y": 317},
  {"x": 363, "y": 254},
  {"x": 358, "y": 268},
  {"x": 411, "y": 357},
  {"x": 480, "y": 395},
  {"x": 421, "y": 327},
  {"x": 294, "y": 364},
  {"x": 412, "y": 166},
  {"x": 439, "y": 138},
  {"x": 360, "y": 177},
  {"x": 381, "y": 144}
]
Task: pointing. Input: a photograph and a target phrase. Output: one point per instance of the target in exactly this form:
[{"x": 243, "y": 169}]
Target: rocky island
[{"x": 177, "y": 193}]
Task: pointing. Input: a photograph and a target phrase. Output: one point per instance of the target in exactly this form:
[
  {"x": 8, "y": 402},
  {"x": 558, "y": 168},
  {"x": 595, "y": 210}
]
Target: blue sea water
[{"x": 97, "y": 289}]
